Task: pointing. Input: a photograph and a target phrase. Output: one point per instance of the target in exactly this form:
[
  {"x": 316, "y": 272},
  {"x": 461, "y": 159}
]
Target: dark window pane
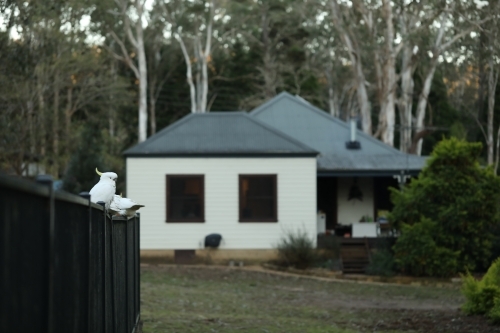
[
  {"x": 185, "y": 208},
  {"x": 261, "y": 186},
  {"x": 258, "y": 198},
  {"x": 185, "y": 198},
  {"x": 260, "y": 208},
  {"x": 185, "y": 186}
]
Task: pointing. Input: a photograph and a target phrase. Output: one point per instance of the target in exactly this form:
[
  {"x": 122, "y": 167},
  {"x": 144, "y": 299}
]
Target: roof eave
[
  {"x": 366, "y": 172},
  {"x": 219, "y": 155}
]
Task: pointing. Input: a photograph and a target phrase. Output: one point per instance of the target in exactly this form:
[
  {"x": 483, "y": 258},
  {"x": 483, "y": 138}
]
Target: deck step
[{"x": 355, "y": 256}]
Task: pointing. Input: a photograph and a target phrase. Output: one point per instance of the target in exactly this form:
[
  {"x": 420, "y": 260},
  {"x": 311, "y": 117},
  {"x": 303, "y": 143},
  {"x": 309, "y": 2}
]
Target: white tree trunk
[
  {"x": 198, "y": 87},
  {"x": 333, "y": 100},
  {"x": 363, "y": 102},
  {"x": 405, "y": 102},
  {"x": 492, "y": 85},
  {"x": 205, "y": 58},
  {"x": 143, "y": 82},
  {"x": 387, "y": 79},
  {"x": 498, "y": 150},
  {"x": 422, "y": 102},
  {"x": 355, "y": 58},
  {"x": 140, "y": 70},
  {"x": 390, "y": 119},
  {"x": 189, "y": 74}
]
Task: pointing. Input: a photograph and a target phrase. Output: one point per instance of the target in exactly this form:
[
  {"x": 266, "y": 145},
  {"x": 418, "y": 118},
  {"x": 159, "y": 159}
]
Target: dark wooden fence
[{"x": 64, "y": 265}]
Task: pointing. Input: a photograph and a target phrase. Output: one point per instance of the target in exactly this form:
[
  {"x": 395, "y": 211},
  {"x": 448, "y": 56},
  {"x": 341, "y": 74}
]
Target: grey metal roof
[
  {"x": 319, "y": 130},
  {"x": 220, "y": 134},
  {"x": 369, "y": 162}
]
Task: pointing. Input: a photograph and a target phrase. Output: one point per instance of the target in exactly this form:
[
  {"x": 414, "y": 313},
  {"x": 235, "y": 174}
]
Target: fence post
[
  {"x": 47, "y": 181},
  {"x": 86, "y": 195},
  {"x": 104, "y": 263},
  {"x": 138, "y": 264},
  {"x": 113, "y": 274}
]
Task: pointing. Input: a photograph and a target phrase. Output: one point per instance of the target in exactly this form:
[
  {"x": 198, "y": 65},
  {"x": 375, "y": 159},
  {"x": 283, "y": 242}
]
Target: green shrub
[
  {"x": 492, "y": 276},
  {"x": 482, "y": 300},
  {"x": 416, "y": 252},
  {"x": 297, "y": 249},
  {"x": 328, "y": 252},
  {"x": 483, "y": 297},
  {"x": 494, "y": 313},
  {"x": 460, "y": 196},
  {"x": 382, "y": 263}
]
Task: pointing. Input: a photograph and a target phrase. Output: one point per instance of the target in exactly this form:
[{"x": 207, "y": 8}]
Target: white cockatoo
[
  {"x": 124, "y": 206},
  {"x": 105, "y": 188}
]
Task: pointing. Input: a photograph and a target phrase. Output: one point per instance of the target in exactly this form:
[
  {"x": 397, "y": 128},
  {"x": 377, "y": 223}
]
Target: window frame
[
  {"x": 169, "y": 219},
  {"x": 274, "y": 219}
]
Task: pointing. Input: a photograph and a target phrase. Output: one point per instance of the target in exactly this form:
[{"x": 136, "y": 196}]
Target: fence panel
[
  {"x": 23, "y": 271},
  {"x": 64, "y": 265},
  {"x": 71, "y": 268},
  {"x": 119, "y": 225},
  {"x": 130, "y": 273},
  {"x": 96, "y": 272}
]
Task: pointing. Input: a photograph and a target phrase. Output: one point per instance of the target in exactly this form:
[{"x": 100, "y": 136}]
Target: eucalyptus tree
[
  {"x": 492, "y": 31},
  {"x": 276, "y": 33},
  {"x": 163, "y": 58},
  {"x": 51, "y": 75},
  {"x": 133, "y": 16},
  {"x": 413, "y": 33},
  {"x": 192, "y": 25},
  {"x": 326, "y": 54},
  {"x": 454, "y": 22}
]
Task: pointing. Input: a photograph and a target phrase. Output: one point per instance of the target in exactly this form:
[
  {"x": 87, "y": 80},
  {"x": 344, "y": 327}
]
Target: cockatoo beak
[{"x": 99, "y": 173}]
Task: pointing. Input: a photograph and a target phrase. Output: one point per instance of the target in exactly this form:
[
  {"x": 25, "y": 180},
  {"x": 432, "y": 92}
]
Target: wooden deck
[{"x": 355, "y": 253}]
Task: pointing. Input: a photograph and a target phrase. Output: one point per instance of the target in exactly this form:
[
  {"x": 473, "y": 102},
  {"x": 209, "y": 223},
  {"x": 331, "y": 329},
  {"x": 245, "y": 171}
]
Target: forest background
[{"x": 80, "y": 81}]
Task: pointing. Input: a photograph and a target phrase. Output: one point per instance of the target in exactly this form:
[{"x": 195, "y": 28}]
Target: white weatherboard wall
[
  {"x": 296, "y": 177},
  {"x": 351, "y": 211}
]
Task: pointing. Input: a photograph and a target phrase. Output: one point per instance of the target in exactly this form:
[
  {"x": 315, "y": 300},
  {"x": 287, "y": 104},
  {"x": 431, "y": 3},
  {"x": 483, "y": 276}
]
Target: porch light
[{"x": 354, "y": 191}]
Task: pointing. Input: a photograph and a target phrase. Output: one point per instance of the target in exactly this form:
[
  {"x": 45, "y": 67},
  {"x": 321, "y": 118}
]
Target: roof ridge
[
  {"x": 279, "y": 133},
  {"x": 159, "y": 134},
  {"x": 219, "y": 113},
  {"x": 324, "y": 114},
  {"x": 182, "y": 121},
  {"x": 242, "y": 115}
]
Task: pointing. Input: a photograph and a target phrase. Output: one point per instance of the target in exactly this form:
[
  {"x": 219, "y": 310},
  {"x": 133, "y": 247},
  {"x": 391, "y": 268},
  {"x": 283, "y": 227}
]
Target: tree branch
[
  {"x": 128, "y": 60},
  {"x": 189, "y": 72}
]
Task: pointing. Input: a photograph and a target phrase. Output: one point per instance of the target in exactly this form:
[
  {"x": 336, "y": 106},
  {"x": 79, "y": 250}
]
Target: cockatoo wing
[
  {"x": 102, "y": 192},
  {"x": 127, "y": 203},
  {"x": 114, "y": 206}
]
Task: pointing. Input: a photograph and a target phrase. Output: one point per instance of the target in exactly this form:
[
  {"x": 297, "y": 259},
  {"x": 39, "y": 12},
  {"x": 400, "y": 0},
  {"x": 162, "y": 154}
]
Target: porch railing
[{"x": 64, "y": 265}]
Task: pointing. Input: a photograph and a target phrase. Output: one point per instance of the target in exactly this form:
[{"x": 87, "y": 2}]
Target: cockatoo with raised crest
[
  {"x": 105, "y": 188},
  {"x": 124, "y": 206}
]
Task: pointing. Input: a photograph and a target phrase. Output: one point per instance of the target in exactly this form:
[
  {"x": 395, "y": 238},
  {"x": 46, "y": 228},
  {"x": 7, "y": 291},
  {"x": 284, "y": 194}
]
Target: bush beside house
[{"x": 446, "y": 215}]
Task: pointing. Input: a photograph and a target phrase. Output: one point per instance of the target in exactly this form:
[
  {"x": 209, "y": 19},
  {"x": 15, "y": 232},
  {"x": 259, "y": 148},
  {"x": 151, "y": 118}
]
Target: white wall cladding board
[
  {"x": 146, "y": 183},
  {"x": 351, "y": 211}
]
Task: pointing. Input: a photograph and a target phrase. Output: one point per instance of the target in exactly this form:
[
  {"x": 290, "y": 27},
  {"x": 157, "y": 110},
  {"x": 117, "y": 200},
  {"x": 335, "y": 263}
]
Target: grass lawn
[{"x": 188, "y": 299}]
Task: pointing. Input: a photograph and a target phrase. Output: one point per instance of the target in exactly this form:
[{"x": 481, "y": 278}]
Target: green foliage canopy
[{"x": 459, "y": 196}]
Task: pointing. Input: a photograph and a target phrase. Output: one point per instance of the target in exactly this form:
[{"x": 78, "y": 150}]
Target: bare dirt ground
[{"x": 220, "y": 299}]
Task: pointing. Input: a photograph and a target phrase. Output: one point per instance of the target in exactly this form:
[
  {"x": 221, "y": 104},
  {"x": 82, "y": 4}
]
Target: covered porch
[
  {"x": 355, "y": 204},
  {"x": 352, "y": 210}
]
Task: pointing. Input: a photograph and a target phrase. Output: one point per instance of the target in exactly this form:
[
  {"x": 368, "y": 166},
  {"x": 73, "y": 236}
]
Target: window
[
  {"x": 185, "y": 198},
  {"x": 258, "y": 198}
]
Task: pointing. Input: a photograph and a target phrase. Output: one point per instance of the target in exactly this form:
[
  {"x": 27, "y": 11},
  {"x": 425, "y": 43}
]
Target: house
[
  {"x": 354, "y": 170},
  {"x": 226, "y": 173},
  {"x": 251, "y": 177}
]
